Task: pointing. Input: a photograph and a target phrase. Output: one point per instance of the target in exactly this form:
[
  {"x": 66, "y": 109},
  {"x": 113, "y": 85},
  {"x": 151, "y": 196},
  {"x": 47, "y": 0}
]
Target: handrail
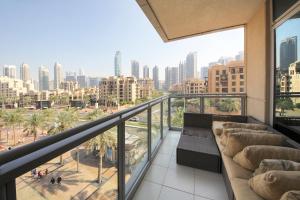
[{"x": 26, "y": 149}]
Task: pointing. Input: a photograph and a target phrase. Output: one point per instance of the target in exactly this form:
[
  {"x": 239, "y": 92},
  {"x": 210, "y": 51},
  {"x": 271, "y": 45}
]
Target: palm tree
[
  {"x": 101, "y": 143},
  {"x": 228, "y": 105},
  {"x": 12, "y": 119},
  {"x": 97, "y": 113},
  {"x": 47, "y": 117},
  {"x": 177, "y": 120},
  {"x": 64, "y": 120},
  {"x": 32, "y": 124}
]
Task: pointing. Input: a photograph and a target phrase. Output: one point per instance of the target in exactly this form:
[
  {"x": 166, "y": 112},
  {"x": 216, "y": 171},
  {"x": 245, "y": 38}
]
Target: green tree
[
  {"x": 47, "y": 116},
  {"x": 32, "y": 124},
  {"x": 177, "y": 117},
  {"x": 12, "y": 119},
  {"x": 97, "y": 113},
  {"x": 228, "y": 105},
  {"x": 64, "y": 121},
  {"x": 100, "y": 143},
  {"x": 283, "y": 104}
]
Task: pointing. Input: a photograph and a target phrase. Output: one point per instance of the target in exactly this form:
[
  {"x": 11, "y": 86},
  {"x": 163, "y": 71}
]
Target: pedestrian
[
  {"x": 39, "y": 174},
  {"x": 46, "y": 172},
  {"x": 58, "y": 180},
  {"x": 33, "y": 172},
  {"x": 52, "y": 180}
]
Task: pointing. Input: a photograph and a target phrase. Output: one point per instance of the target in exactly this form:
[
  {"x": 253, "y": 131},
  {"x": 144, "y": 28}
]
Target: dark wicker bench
[{"x": 197, "y": 147}]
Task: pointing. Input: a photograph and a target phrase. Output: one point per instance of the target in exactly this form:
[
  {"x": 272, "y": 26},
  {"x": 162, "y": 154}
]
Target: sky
[{"x": 86, "y": 34}]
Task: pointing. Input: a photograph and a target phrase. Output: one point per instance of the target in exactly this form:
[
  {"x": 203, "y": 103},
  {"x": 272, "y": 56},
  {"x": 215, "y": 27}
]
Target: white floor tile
[
  {"x": 162, "y": 160},
  {"x": 172, "y": 194},
  {"x": 147, "y": 191},
  {"x": 209, "y": 184},
  {"x": 156, "y": 174},
  {"x": 181, "y": 179},
  {"x": 200, "y": 198}
]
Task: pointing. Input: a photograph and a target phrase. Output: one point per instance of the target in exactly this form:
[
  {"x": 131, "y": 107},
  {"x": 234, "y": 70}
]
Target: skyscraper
[
  {"x": 24, "y": 72},
  {"x": 191, "y": 65},
  {"x": 145, "y": 71},
  {"x": 288, "y": 52},
  {"x": 155, "y": 77},
  {"x": 10, "y": 71},
  {"x": 174, "y": 76},
  {"x": 204, "y": 73},
  {"x": 58, "y": 75},
  {"x": 118, "y": 63},
  {"x": 71, "y": 76},
  {"x": 181, "y": 72},
  {"x": 135, "y": 69},
  {"x": 82, "y": 81},
  {"x": 43, "y": 78}
]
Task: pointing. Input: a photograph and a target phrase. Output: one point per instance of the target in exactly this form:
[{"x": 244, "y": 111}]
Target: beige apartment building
[
  {"x": 229, "y": 78},
  {"x": 11, "y": 87},
  {"x": 194, "y": 86},
  {"x": 118, "y": 87},
  {"x": 294, "y": 77},
  {"x": 146, "y": 87}
]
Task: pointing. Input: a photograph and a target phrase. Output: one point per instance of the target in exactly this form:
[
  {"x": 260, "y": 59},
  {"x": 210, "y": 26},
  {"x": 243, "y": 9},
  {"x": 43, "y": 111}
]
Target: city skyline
[{"x": 92, "y": 47}]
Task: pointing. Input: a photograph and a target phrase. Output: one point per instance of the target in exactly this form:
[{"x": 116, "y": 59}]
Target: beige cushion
[
  {"x": 217, "y": 127},
  {"x": 242, "y": 191},
  {"x": 251, "y": 156},
  {"x": 275, "y": 164},
  {"x": 236, "y": 142},
  {"x": 273, "y": 184},
  {"x": 226, "y": 131},
  {"x": 234, "y": 170},
  {"x": 252, "y": 126},
  {"x": 291, "y": 195}
]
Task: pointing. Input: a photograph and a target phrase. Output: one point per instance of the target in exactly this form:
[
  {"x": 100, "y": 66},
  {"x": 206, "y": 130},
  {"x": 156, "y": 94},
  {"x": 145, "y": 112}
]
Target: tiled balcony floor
[{"x": 166, "y": 180}]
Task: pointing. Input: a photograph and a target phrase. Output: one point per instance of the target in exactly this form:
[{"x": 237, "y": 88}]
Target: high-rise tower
[
  {"x": 118, "y": 63},
  {"x": 58, "y": 75}
]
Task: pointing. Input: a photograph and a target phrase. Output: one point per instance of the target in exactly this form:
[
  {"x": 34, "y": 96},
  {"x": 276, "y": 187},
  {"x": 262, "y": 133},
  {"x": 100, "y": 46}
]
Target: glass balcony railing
[{"x": 103, "y": 159}]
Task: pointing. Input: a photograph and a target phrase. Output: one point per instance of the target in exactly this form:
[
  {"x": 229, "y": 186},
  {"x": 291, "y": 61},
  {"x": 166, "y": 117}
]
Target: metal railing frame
[{"x": 22, "y": 159}]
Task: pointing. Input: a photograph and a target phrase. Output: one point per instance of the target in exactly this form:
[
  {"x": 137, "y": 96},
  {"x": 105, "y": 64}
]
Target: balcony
[{"x": 130, "y": 142}]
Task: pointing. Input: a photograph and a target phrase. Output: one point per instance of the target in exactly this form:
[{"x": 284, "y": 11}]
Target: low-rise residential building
[
  {"x": 229, "y": 78},
  {"x": 146, "y": 87},
  {"x": 194, "y": 86},
  {"x": 294, "y": 77},
  {"x": 11, "y": 87}
]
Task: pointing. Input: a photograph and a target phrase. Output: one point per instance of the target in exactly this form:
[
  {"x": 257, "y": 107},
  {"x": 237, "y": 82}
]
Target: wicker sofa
[{"x": 235, "y": 176}]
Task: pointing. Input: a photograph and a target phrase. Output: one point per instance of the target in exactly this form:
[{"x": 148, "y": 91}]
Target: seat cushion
[
  {"x": 273, "y": 184},
  {"x": 252, "y": 126},
  {"x": 227, "y": 131},
  {"x": 234, "y": 170},
  {"x": 291, "y": 195},
  {"x": 236, "y": 142},
  {"x": 217, "y": 127},
  {"x": 251, "y": 156},
  {"x": 242, "y": 191},
  {"x": 276, "y": 164}
]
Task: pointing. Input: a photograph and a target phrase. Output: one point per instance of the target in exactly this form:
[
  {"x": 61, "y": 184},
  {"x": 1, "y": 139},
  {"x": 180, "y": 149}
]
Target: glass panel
[
  {"x": 88, "y": 171},
  {"x": 165, "y": 117},
  {"x": 222, "y": 106},
  {"x": 136, "y": 147},
  {"x": 177, "y": 110},
  {"x": 155, "y": 126},
  {"x": 287, "y": 84},
  {"x": 280, "y": 6},
  {"x": 192, "y": 105}
]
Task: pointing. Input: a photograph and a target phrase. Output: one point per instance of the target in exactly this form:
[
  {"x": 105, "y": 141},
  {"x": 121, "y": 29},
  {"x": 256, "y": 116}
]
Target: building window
[
  {"x": 241, "y": 70},
  {"x": 217, "y": 78},
  {"x": 217, "y": 90},
  {"x": 224, "y": 89},
  {"x": 217, "y": 72},
  {"x": 232, "y": 71},
  {"x": 233, "y": 77},
  {"x": 241, "y": 76},
  {"x": 241, "y": 89},
  {"x": 233, "y": 83},
  {"x": 242, "y": 83},
  {"x": 223, "y": 71},
  {"x": 233, "y": 90}
]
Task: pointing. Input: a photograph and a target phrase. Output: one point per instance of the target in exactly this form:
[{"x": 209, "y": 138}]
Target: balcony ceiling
[{"x": 176, "y": 19}]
